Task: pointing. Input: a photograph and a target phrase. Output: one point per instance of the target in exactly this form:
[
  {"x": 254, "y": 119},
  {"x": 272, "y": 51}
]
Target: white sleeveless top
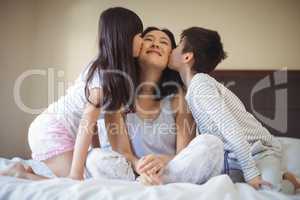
[{"x": 156, "y": 136}]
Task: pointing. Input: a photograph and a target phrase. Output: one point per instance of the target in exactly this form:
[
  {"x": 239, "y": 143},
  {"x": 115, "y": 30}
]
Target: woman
[{"x": 154, "y": 137}]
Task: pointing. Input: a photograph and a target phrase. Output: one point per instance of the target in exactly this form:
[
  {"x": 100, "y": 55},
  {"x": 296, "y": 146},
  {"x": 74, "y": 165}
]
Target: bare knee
[{"x": 60, "y": 165}]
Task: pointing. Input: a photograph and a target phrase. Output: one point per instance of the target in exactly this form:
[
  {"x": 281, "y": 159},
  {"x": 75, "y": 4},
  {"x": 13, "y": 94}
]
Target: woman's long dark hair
[
  {"x": 168, "y": 75},
  {"x": 117, "y": 28}
]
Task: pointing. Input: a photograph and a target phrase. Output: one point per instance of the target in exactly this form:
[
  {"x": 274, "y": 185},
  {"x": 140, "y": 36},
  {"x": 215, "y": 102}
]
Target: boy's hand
[{"x": 257, "y": 182}]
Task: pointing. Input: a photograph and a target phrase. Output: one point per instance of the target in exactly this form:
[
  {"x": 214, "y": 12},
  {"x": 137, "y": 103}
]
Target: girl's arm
[
  {"x": 86, "y": 130},
  {"x": 118, "y": 136}
]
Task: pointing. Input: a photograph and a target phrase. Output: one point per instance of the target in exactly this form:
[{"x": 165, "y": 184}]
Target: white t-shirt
[{"x": 69, "y": 108}]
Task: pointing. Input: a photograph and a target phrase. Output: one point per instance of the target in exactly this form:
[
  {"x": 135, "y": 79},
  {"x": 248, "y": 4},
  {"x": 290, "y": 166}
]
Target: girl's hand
[{"x": 257, "y": 182}]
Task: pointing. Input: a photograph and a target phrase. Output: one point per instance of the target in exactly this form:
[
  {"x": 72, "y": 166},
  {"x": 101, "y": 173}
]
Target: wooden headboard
[{"x": 273, "y": 97}]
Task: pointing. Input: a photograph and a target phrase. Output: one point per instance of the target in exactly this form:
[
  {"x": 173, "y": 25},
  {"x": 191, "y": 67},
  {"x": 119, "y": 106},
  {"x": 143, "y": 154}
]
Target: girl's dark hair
[
  {"x": 117, "y": 28},
  {"x": 168, "y": 75}
]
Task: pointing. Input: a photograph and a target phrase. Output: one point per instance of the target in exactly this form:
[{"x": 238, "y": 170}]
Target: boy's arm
[{"x": 204, "y": 96}]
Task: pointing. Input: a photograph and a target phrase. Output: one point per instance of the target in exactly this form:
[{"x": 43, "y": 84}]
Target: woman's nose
[{"x": 155, "y": 45}]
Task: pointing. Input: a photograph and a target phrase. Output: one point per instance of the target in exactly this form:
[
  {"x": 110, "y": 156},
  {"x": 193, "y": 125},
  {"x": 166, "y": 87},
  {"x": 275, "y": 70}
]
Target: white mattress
[{"x": 220, "y": 187}]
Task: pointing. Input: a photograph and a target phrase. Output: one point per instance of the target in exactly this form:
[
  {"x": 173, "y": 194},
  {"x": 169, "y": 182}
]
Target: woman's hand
[
  {"x": 152, "y": 164},
  {"x": 152, "y": 179},
  {"x": 76, "y": 177},
  {"x": 257, "y": 182}
]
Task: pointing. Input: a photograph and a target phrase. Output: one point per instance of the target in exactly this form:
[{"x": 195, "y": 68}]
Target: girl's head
[
  {"x": 119, "y": 43},
  {"x": 155, "y": 52}
]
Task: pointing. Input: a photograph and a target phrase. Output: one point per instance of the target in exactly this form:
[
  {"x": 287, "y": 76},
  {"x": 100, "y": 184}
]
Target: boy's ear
[{"x": 188, "y": 57}]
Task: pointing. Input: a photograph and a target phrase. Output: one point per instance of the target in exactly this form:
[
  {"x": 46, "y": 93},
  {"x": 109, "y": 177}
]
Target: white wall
[{"x": 62, "y": 34}]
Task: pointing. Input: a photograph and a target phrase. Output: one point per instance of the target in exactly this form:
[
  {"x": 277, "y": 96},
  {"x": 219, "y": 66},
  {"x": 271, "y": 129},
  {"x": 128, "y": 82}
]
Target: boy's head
[{"x": 199, "y": 48}]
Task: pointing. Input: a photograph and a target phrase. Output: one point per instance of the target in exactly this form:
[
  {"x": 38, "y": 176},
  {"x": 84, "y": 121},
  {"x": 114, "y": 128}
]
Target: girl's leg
[
  {"x": 60, "y": 165},
  {"x": 202, "y": 159},
  {"x": 18, "y": 170},
  {"x": 51, "y": 143}
]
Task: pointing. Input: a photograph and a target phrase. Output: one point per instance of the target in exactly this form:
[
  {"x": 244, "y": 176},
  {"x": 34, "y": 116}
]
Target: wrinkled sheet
[{"x": 219, "y": 187}]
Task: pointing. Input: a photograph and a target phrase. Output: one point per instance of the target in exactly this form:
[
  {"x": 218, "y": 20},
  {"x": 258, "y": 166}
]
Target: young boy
[{"x": 217, "y": 111}]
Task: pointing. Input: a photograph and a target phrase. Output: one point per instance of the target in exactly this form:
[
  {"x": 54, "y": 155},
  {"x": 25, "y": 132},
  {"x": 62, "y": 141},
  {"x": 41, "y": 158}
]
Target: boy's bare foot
[
  {"x": 292, "y": 178},
  {"x": 16, "y": 170}
]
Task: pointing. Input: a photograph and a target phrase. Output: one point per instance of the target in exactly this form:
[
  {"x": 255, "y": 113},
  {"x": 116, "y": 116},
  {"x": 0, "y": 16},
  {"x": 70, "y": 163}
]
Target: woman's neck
[
  {"x": 149, "y": 78},
  {"x": 146, "y": 105}
]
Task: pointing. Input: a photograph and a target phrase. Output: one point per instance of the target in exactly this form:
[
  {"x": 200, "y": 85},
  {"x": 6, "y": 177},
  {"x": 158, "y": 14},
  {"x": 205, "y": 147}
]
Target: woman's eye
[
  {"x": 164, "y": 42},
  {"x": 148, "y": 39}
]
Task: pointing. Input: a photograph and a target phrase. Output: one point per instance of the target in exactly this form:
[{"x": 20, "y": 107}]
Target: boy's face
[{"x": 177, "y": 57}]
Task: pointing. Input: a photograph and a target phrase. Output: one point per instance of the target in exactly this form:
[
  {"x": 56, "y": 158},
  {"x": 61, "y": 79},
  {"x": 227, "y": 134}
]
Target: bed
[{"x": 219, "y": 187}]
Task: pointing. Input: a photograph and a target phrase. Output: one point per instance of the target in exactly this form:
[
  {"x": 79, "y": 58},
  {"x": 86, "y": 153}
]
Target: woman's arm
[
  {"x": 86, "y": 130},
  {"x": 185, "y": 124},
  {"x": 118, "y": 136}
]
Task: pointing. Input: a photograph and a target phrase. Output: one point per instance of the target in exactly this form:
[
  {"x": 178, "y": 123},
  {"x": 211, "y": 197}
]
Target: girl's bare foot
[
  {"x": 292, "y": 178},
  {"x": 16, "y": 170}
]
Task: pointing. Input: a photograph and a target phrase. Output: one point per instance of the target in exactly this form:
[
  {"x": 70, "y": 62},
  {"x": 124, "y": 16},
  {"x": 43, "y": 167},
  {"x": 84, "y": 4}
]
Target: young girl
[{"x": 62, "y": 134}]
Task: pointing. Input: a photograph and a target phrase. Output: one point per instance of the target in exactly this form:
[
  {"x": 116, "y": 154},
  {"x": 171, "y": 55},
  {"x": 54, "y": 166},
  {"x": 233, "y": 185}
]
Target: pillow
[{"x": 291, "y": 151}]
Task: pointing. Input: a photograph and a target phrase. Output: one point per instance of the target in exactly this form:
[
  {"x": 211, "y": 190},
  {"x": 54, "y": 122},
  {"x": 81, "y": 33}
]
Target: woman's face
[
  {"x": 155, "y": 50},
  {"x": 137, "y": 45}
]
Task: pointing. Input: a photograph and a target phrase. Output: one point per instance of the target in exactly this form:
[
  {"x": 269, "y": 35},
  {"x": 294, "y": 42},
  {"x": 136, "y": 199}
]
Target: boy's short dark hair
[{"x": 206, "y": 46}]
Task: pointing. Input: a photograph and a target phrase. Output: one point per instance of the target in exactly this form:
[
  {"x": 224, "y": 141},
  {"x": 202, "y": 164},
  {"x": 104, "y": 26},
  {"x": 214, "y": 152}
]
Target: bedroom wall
[
  {"x": 16, "y": 46},
  {"x": 256, "y": 34},
  {"x": 59, "y": 38}
]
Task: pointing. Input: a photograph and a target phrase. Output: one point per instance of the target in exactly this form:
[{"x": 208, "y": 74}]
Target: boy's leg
[
  {"x": 108, "y": 164},
  {"x": 270, "y": 167},
  {"x": 234, "y": 170},
  {"x": 200, "y": 160}
]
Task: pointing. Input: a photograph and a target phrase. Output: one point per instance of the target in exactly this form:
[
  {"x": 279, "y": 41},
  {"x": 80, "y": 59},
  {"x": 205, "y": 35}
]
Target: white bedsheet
[{"x": 220, "y": 187}]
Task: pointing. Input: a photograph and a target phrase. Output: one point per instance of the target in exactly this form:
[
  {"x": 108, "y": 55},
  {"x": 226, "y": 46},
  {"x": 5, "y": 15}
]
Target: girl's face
[
  {"x": 137, "y": 45},
  {"x": 155, "y": 50}
]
